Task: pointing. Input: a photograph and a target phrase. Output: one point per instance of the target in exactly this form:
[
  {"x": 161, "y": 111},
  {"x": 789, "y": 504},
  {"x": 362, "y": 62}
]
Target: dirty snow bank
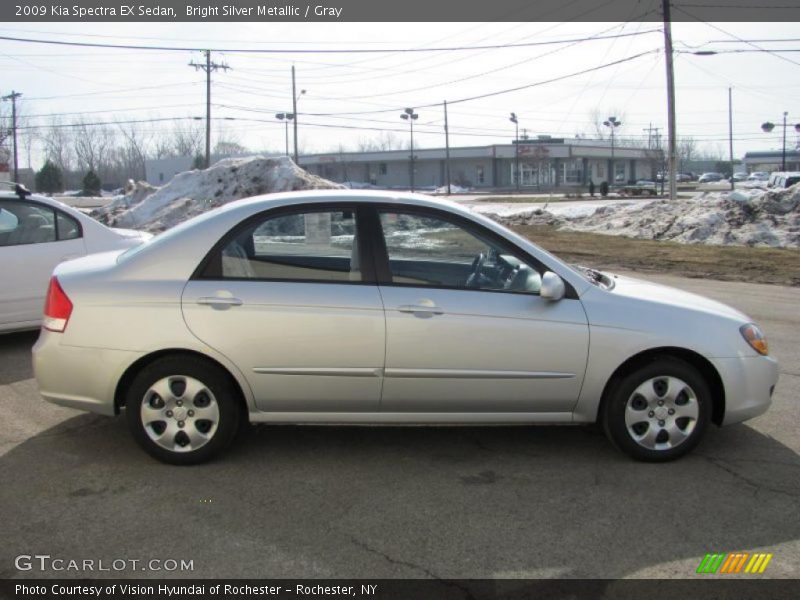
[
  {"x": 193, "y": 192},
  {"x": 746, "y": 218}
]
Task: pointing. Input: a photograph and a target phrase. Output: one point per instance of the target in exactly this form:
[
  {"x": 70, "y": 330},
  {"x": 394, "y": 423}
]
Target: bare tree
[
  {"x": 229, "y": 148},
  {"x": 58, "y": 145},
  {"x": 384, "y": 141},
  {"x": 687, "y": 151},
  {"x": 132, "y": 154},
  {"x": 5, "y": 123},
  {"x": 183, "y": 138},
  {"x": 93, "y": 145}
]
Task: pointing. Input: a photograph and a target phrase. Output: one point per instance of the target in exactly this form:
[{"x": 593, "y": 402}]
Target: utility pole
[
  {"x": 730, "y": 132},
  {"x": 649, "y": 131},
  {"x": 13, "y": 97},
  {"x": 294, "y": 111},
  {"x": 208, "y": 67},
  {"x": 513, "y": 118},
  {"x": 671, "y": 143},
  {"x": 447, "y": 148}
]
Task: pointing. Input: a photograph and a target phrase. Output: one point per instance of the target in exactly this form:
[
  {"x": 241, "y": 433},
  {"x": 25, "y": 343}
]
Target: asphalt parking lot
[{"x": 405, "y": 502}]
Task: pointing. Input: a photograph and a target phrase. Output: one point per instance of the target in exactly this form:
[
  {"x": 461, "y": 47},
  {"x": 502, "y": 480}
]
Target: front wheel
[
  {"x": 182, "y": 410},
  {"x": 658, "y": 412}
]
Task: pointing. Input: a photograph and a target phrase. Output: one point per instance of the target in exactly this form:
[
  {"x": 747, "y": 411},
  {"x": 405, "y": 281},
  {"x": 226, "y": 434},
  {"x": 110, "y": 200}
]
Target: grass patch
[{"x": 726, "y": 263}]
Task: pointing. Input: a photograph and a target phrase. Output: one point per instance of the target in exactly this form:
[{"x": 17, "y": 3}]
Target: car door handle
[
  {"x": 219, "y": 301},
  {"x": 419, "y": 308}
]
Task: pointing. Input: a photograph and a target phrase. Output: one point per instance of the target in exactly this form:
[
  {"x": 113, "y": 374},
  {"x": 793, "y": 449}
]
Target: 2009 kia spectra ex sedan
[{"x": 348, "y": 307}]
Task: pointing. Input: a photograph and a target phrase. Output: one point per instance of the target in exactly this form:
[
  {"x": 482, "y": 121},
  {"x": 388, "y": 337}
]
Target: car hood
[{"x": 669, "y": 296}]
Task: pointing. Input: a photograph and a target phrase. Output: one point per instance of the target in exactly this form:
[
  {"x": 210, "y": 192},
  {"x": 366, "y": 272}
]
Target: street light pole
[
  {"x": 783, "y": 146},
  {"x": 410, "y": 116},
  {"x": 295, "y": 98},
  {"x": 769, "y": 126},
  {"x": 730, "y": 133},
  {"x": 612, "y": 124},
  {"x": 513, "y": 118},
  {"x": 286, "y": 117}
]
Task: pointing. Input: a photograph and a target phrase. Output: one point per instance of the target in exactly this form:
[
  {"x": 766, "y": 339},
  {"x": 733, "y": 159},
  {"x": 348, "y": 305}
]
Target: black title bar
[{"x": 396, "y": 11}]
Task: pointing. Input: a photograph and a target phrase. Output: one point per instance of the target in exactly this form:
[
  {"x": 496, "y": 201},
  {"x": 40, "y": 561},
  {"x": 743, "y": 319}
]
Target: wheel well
[
  {"x": 132, "y": 370},
  {"x": 698, "y": 361}
]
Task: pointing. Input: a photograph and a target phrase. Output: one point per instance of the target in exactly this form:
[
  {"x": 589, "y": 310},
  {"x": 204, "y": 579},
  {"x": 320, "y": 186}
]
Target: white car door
[
  {"x": 286, "y": 301},
  {"x": 466, "y": 330},
  {"x": 34, "y": 238}
]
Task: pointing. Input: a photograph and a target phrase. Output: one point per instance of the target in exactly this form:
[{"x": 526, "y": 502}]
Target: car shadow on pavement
[
  {"x": 15, "y": 356},
  {"x": 444, "y": 502}
]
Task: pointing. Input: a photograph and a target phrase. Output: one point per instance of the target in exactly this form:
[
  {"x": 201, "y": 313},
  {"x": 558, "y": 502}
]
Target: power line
[
  {"x": 736, "y": 37},
  {"x": 495, "y": 93},
  {"x": 318, "y": 50}
]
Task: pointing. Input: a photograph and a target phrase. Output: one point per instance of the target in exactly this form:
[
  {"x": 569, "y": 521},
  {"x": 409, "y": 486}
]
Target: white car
[
  {"x": 369, "y": 307},
  {"x": 36, "y": 234},
  {"x": 758, "y": 177}
]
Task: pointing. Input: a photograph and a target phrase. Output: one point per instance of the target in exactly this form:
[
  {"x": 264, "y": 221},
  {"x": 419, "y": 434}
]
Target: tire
[
  {"x": 183, "y": 410},
  {"x": 658, "y": 412}
]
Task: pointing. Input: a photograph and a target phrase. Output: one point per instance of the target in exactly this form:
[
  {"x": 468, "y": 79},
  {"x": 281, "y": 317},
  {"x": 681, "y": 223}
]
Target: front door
[
  {"x": 286, "y": 300},
  {"x": 466, "y": 328}
]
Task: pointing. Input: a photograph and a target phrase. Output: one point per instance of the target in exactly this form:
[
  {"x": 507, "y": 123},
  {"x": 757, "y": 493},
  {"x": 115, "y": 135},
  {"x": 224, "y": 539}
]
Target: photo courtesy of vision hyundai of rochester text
[{"x": 384, "y": 308}]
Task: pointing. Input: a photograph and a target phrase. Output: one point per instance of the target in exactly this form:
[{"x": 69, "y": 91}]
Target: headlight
[{"x": 753, "y": 336}]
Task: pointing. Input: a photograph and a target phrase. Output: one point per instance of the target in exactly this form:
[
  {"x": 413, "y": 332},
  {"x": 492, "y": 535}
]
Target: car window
[
  {"x": 425, "y": 250},
  {"x": 8, "y": 221},
  {"x": 35, "y": 224},
  {"x": 68, "y": 228},
  {"x": 309, "y": 246}
]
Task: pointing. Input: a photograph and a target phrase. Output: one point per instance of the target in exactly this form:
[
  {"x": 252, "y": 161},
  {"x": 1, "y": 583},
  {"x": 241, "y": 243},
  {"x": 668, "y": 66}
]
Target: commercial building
[
  {"x": 772, "y": 160},
  {"x": 544, "y": 163}
]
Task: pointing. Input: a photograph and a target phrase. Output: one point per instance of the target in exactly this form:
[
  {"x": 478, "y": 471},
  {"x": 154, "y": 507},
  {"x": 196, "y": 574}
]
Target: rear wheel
[
  {"x": 182, "y": 410},
  {"x": 658, "y": 412}
]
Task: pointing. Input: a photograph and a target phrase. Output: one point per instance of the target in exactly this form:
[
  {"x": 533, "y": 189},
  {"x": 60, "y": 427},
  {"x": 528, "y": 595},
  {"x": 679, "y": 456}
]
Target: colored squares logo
[{"x": 734, "y": 562}]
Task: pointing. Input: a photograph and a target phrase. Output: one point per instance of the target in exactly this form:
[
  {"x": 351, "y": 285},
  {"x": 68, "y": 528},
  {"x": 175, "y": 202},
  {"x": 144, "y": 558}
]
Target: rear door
[
  {"x": 34, "y": 238},
  {"x": 290, "y": 298}
]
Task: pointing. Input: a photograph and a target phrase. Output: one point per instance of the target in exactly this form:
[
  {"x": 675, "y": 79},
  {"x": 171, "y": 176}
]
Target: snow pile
[
  {"x": 746, "y": 218},
  {"x": 193, "y": 192}
]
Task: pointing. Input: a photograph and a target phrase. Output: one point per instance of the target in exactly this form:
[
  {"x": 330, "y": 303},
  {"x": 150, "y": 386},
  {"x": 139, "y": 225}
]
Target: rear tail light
[{"x": 57, "y": 307}]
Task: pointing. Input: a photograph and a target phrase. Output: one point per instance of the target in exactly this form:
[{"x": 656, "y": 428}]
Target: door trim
[
  {"x": 322, "y": 371},
  {"x": 473, "y": 374}
]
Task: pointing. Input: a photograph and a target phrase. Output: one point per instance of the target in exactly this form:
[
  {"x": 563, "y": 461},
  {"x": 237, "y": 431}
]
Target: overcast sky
[{"x": 107, "y": 84}]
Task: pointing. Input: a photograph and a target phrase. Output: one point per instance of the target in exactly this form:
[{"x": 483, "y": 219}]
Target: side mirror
[{"x": 552, "y": 287}]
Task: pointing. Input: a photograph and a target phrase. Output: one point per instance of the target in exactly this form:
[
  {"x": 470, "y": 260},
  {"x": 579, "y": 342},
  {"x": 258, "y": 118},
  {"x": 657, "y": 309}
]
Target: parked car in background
[
  {"x": 36, "y": 234},
  {"x": 758, "y": 177},
  {"x": 783, "y": 179},
  {"x": 679, "y": 177},
  {"x": 710, "y": 177},
  {"x": 385, "y": 308},
  {"x": 740, "y": 176}
]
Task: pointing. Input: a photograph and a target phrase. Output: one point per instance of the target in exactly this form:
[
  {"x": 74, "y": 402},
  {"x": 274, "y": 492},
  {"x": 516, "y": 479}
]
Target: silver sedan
[{"x": 365, "y": 307}]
